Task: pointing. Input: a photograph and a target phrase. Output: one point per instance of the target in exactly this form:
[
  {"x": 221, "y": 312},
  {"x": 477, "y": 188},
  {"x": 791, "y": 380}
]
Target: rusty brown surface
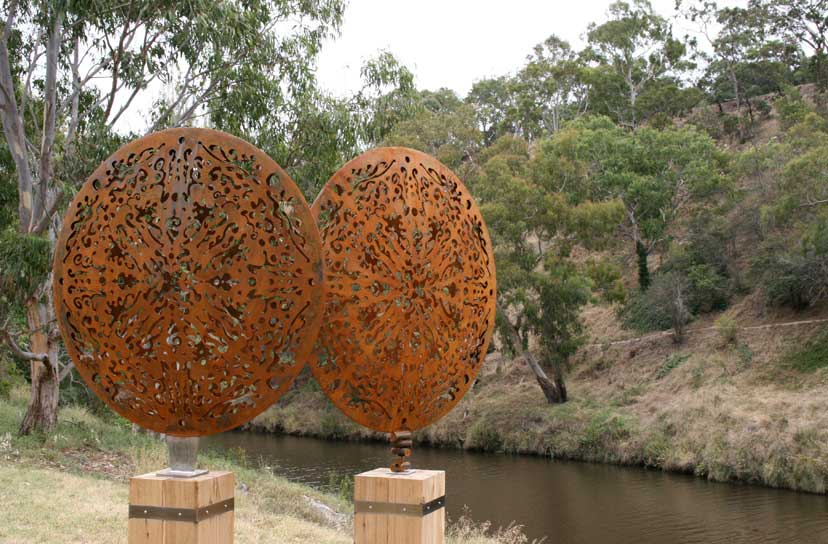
[
  {"x": 401, "y": 444},
  {"x": 410, "y": 290},
  {"x": 188, "y": 281}
]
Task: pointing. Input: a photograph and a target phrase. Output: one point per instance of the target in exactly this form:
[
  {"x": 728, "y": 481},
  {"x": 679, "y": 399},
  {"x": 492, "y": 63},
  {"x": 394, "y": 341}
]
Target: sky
[
  {"x": 453, "y": 43},
  {"x": 445, "y": 43}
]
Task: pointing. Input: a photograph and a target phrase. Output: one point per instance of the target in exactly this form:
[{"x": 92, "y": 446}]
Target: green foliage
[
  {"x": 646, "y": 311},
  {"x": 444, "y": 127},
  {"x": 25, "y": 262},
  {"x": 636, "y": 52},
  {"x": 341, "y": 485},
  {"x": 534, "y": 227},
  {"x": 671, "y": 363},
  {"x": 728, "y": 328},
  {"x": 606, "y": 280},
  {"x": 811, "y": 356},
  {"x": 791, "y": 108}
]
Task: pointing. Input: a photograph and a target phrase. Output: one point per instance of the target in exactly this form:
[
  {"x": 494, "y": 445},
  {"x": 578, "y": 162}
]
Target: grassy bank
[
  {"x": 71, "y": 487},
  {"x": 753, "y": 409}
]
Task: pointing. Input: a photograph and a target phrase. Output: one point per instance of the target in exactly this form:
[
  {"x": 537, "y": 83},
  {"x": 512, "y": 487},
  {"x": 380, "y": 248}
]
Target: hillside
[{"x": 743, "y": 398}]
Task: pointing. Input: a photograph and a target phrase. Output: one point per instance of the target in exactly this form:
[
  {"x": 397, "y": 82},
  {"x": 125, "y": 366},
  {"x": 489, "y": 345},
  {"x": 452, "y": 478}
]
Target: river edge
[
  {"x": 719, "y": 430},
  {"x": 80, "y": 473}
]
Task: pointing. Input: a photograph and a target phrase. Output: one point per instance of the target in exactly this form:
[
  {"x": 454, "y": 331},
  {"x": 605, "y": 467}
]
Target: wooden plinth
[
  {"x": 167, "y": 510},
  {"x": 391, "y": 508}
]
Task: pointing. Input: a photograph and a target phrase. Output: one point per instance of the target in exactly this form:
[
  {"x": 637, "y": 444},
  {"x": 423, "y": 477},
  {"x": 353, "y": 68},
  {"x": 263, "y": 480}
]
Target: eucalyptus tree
[
  {"x": 550, "y": 88},
  {"x": 541, "y": 290},
  {"x": 71, "y": 69},
  {"x": 634, "y": 48},
  {"x": 800, "y": 22},
  {"x": 493, "y": 100},
  {"x": 445, "y": 127},
  {"x": 657, "y": 175},
  {"x": 743, "y": 60}
]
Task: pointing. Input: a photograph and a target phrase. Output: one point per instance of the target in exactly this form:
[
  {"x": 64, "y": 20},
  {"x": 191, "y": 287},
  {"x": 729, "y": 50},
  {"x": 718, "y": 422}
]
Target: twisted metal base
[{"x": 401, "y": 443}]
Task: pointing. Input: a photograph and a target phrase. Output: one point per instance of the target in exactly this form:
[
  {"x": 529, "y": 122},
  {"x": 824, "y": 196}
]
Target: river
[{"x": 568, "y": 502}]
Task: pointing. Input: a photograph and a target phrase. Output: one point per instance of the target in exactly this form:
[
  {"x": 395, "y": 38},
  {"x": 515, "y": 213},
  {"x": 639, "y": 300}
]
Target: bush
[
  {"x": 606, "y": 280},
  {"x": 708, "y": 289},
  {"x": 790, "y": 279},
  {"x": 662, "y": 306},
  {"x": 645, "y": 312},
  {"x": 728, "y": 328},
  {"x": 708, "y": 120},
  {"x": 791, "y": 108}
]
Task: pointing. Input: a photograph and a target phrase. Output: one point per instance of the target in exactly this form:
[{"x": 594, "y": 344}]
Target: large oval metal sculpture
[
  {"x": 188, "y": 281},
  {"x": 410, "y": 292}
]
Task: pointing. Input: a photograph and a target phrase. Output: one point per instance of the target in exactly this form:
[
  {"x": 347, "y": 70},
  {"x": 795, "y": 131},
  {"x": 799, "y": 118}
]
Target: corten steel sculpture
[
  {"x": 188, "y": 282},
  {"x": 410, "y": 292}
]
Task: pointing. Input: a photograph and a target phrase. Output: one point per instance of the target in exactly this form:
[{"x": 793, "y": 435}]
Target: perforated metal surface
[
  {"x": 410, "y": 290},
  {"x": 188, "y": 281}
]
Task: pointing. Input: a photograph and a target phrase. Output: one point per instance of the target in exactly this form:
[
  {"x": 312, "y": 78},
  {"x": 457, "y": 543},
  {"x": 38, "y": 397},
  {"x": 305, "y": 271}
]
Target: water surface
[{"x": 568, "y": 502}]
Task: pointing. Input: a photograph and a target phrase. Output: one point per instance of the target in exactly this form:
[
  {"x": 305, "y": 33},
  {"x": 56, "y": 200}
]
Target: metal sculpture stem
[
  {"x": 401, "y": 443},
  {"x": 183, "y": 455}
]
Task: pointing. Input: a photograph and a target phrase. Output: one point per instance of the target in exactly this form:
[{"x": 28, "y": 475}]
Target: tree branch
[
  {"x": 7, "y": 337},
  {"x": 49, "y": 117}
]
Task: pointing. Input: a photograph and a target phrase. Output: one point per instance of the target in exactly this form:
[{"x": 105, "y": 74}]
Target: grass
[
  {"x": 673, "y": 361},
  {"x": 71, "y": 487},
  {"x": 810, "y": 357}
]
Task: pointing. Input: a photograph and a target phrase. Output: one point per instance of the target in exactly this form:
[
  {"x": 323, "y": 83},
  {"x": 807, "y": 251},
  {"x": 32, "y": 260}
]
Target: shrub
[
  {"x": 660, "y": 307},
  {"x": 791, "y": 108},
  {"x": 791, "y": 279},
  {"x": 708, "y": 120},
  {"x": 645, "y": 312},
  {"x": 728, "y": 328},
  {"x": 601, "y": 434},
  {"x": 606, "y": 280},
  {"x": 745, "y": 355},
  {"x": 708, "y": 289}
]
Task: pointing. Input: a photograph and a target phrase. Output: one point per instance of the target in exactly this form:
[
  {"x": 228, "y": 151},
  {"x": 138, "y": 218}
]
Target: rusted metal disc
[
  {"x": 410, "y": 289},
  {"x": 188, "y": 281}
]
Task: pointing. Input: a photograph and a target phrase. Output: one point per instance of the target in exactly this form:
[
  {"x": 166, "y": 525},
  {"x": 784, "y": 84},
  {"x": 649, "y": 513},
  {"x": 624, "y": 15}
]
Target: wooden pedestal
[
  {"x": 397, "y": 508},
  {"x": 167, "y": 510}
]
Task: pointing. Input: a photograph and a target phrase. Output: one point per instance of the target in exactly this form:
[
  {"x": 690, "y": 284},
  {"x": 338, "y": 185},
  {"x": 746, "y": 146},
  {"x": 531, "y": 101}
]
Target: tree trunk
[
  {"x": 43, "y": 404},
  {"x": 560, "y": 385},
  {"x": 555, "y": 392}
]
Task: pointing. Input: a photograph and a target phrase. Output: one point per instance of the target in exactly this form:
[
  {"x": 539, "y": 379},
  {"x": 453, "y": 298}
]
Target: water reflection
[{"x": 570, "y": 503}]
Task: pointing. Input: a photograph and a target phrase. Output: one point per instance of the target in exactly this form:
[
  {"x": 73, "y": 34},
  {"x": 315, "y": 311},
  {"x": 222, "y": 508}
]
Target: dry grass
[
  {"x": 725, "y": 412},
  {"x": 52, "y": 507},
  {"x": 71, "y": 487}
]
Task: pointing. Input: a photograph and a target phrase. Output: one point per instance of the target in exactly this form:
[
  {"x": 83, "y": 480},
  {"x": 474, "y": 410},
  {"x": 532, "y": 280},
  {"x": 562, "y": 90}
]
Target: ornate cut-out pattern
[
  {"x": 410, "y": 289},
  {"x": 188, "y": 281}
]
